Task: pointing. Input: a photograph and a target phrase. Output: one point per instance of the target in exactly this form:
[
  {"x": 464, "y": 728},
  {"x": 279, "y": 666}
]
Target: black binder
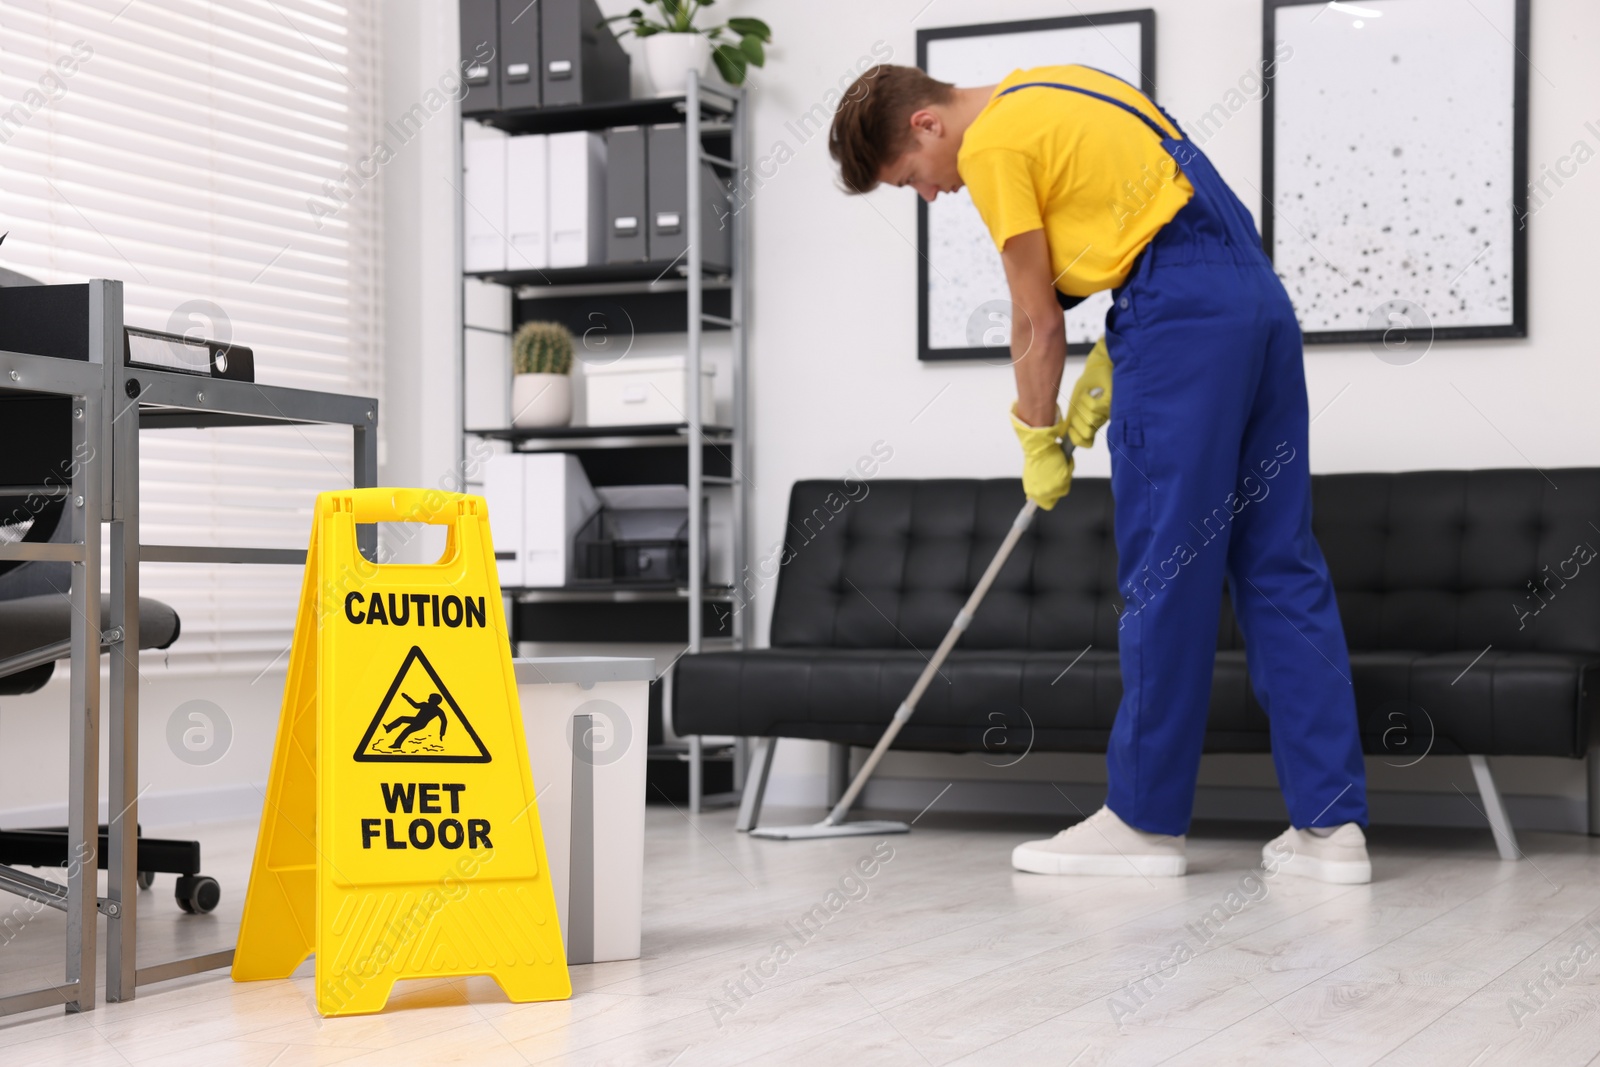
[
  {"x": 480, "y": 62},
  {"x": 582, "y": 61},
  {"x": 519, "y": 53},
  {"x": 668, "y": 197},
  {"x": 626, "y": 215},
  {"x": 158, "y": 350}
]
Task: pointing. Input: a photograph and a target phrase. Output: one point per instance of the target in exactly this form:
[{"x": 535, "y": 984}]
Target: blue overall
[{"x": 1211, "y": 482}]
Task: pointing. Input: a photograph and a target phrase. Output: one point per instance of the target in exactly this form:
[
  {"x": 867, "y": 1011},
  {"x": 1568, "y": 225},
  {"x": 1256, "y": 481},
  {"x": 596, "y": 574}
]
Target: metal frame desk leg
[
  {"x": 122, "y": 885},
  {"x": 83, "y": 795},
  {"x": 364, "y": 475}
]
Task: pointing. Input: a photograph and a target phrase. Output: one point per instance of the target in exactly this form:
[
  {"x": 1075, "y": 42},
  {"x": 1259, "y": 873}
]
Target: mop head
[{"x": 825, "y": 829}]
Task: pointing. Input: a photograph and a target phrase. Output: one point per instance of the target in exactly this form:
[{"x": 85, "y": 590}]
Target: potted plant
[
  {"x": 541, "y": 385},
  {"x": 674, "y": 45}
]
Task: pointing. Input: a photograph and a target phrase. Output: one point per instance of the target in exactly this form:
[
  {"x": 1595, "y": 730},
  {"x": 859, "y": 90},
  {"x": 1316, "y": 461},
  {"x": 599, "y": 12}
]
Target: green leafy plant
[
  {"x": 542, "y": 348},
  {"x": 733, "y": 57}
]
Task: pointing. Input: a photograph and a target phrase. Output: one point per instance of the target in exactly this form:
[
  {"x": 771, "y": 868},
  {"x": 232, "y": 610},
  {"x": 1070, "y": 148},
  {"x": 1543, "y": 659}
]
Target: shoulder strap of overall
[{"x": 1129, "y": 108}]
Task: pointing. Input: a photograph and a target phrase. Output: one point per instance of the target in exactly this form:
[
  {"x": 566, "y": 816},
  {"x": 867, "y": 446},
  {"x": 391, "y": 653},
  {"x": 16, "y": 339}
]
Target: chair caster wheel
[
  {"x": 147, "y": 879},
  {"x": 197, "y": 894}
]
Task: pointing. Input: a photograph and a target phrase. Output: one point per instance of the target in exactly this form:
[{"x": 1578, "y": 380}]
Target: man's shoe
[
  {"x": 1103, "y": 844},
  {"x": 1340, "y": 858}
]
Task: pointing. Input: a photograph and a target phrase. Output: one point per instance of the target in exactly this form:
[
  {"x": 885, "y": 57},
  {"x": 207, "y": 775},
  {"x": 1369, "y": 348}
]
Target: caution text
[{"x": 414, "y": 609}]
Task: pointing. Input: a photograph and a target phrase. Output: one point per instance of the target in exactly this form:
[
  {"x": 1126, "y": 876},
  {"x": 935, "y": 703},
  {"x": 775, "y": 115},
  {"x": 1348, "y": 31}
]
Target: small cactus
[{"x": 542, "y": 348}]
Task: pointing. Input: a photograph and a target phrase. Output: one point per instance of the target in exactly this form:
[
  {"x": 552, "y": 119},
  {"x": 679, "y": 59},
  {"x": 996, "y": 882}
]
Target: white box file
[
  {"x": 485, "y": 403},
  {"x": 528, "y": 202},
  {"x": 483, "y": 187},
  {"x": 577, "y": 198},
  {"x": 486, "y": 306},
  {"x": 587, "y": 724},
  {"x": 645, "y": 391},
  {"x": 537, "y": 503}
]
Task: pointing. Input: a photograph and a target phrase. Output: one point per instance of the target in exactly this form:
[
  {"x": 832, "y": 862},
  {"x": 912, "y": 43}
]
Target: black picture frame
[
  {"x": 1146, "y": 20},
  {"x": 1518, "y": 206}
]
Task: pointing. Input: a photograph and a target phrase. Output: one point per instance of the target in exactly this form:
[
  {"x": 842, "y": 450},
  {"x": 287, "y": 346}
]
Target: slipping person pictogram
[
  {"x": 430, "y": 733},
  {"x": 427, "y": 712}
]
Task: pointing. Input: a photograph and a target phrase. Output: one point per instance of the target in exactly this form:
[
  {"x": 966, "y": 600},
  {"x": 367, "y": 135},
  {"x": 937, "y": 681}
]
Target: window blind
[{"x": 206, "y": 154}]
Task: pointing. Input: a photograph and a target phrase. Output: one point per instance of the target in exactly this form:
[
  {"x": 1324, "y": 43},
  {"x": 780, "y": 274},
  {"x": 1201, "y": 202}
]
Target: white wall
[
  {"x": 422, "y": 312},
  {"x": 834, "y": 342},
  {"x": 33, "y": 736}
]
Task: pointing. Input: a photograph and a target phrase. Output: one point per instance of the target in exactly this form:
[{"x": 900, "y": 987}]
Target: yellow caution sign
[{"x": 400, "y": 836}]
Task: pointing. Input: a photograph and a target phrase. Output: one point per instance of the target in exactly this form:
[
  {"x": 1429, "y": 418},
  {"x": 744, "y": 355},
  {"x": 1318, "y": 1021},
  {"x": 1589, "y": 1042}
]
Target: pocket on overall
[
  {"x": 1124, "y": 429},
  {"x": 1123, "y": 322}
]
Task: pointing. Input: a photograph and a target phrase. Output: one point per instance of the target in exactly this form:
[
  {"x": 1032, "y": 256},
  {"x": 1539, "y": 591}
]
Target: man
[{"x": 1086, "y": 185}]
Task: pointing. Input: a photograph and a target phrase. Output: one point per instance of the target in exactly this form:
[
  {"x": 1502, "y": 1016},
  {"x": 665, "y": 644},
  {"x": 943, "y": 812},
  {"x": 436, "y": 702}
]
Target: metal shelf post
[
  {"x": 697, "y": 521},
  {"x": 739, "y": 308}
]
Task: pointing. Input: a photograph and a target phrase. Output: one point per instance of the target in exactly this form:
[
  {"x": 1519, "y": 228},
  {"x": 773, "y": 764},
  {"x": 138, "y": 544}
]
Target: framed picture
[
  {"x": 963, "y": 305},
  {"x": 1394, "y": 167}
]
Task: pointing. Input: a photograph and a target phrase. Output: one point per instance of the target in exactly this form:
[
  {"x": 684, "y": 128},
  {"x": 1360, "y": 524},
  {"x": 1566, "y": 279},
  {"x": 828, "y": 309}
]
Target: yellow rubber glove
[
  {"x": 1090, "y": 405},
  {"x": 1046, "y": 468}
]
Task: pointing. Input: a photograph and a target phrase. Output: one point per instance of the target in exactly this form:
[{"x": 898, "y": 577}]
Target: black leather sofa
[{"x": 1470, "y": 600}]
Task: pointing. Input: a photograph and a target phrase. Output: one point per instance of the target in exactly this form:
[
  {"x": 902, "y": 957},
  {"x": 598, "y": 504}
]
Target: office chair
[{"x": 36, "y": 623}]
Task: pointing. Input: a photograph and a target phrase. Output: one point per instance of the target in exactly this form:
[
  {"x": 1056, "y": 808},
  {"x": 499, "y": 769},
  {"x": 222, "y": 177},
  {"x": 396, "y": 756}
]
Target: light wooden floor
[{"x": 943, "y": 956}]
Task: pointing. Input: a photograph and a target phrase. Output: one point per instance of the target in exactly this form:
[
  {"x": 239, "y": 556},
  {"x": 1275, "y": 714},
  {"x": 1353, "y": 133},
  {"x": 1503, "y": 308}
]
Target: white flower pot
[
  {"x": 669, "y": 57},
  {"x": 540, "y": 400}
]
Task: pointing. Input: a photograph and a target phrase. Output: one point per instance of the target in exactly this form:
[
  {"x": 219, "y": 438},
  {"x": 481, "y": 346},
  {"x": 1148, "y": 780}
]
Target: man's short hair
[{"x": 872, "y": 127}]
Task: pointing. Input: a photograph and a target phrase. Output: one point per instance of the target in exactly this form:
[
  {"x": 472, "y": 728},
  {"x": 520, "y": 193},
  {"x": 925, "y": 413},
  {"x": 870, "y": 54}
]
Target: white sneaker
[
  {"x": 1340, "y": 858},
  {"x": 1103, "y": 844}
]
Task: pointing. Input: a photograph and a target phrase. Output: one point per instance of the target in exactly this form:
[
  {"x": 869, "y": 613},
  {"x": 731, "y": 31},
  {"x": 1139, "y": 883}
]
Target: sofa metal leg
[
  {"x": 838, "y": 771},
  {"x": 1505, "y": 838},
  {"x": 755, "y": 784},
  {"x": 696, "y": 775},
  {"x": 1594, "y": 785},
  {"x": 741, "y": 761}
]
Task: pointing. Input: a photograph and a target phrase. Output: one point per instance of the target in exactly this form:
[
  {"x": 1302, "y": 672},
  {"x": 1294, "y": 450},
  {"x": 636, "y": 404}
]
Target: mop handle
[{"x": 957, "y": 628}]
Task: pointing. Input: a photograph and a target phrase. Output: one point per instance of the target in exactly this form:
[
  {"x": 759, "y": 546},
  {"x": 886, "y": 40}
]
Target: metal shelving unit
[{"x": 697, "y": 453}]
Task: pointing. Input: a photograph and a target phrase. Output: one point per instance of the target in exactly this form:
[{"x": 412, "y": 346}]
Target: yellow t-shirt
[{"x": 1092, "y": 176}]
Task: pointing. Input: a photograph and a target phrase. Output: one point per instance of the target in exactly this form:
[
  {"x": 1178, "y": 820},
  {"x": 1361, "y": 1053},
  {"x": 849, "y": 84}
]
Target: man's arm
[
  {"x": 1038, "y": 355},
  {"x": 1038, "y": 330}
]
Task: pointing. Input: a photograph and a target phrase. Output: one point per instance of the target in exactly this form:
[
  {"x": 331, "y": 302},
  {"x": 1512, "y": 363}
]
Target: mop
[{"x": 834, "y": 825}]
